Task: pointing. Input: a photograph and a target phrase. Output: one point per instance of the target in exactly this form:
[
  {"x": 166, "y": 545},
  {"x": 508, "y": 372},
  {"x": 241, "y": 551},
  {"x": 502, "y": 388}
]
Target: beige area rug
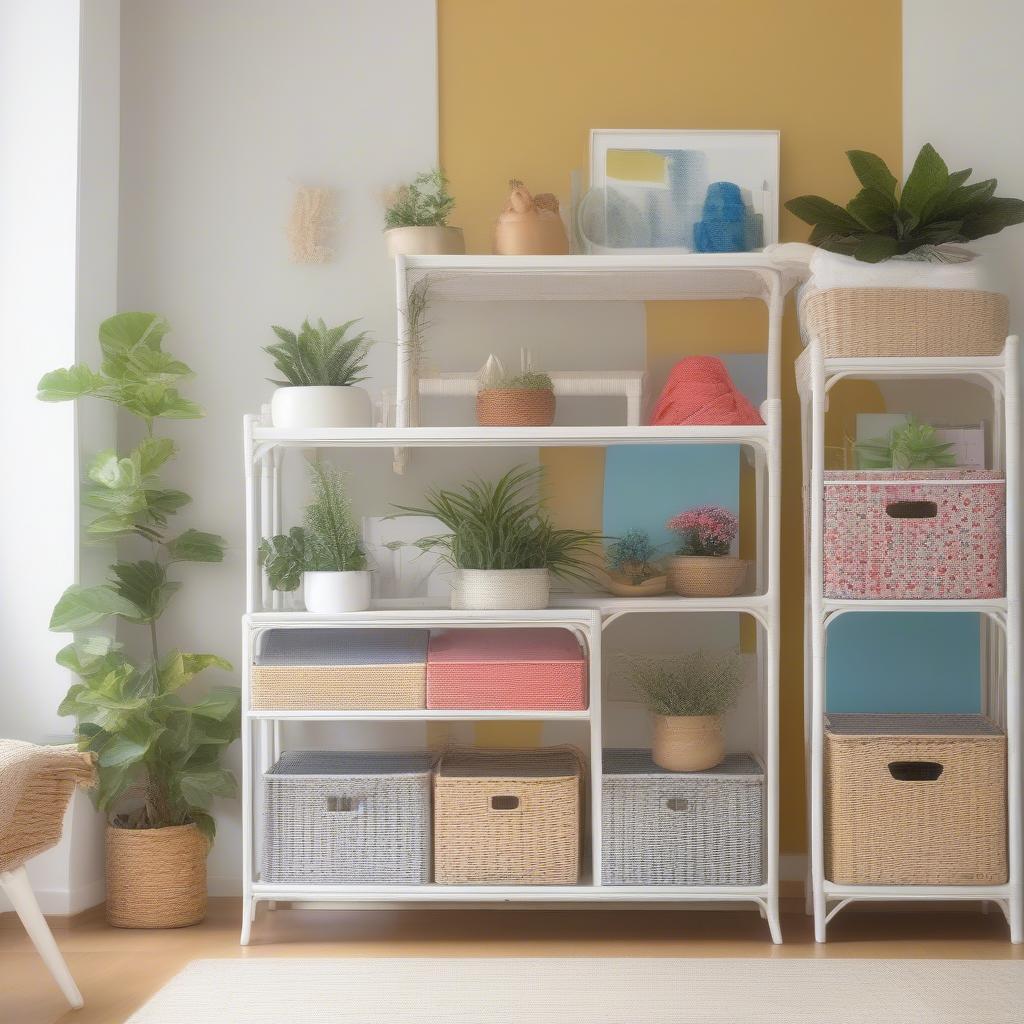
[{"x": 590, "y": 991}]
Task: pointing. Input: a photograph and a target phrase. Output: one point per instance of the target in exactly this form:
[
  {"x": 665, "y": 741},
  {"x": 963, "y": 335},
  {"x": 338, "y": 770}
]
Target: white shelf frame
[
  {"x": 476, "y": 277},
  {"x": 1001, "y": 685}
]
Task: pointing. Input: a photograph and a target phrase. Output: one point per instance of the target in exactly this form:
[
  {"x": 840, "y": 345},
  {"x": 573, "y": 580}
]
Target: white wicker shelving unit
[
  {"x": 476, "y": 278},
  {"x": 1000, "y": 697}
]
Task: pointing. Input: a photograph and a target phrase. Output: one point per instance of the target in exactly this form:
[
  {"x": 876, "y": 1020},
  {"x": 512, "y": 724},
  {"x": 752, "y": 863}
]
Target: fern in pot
[
  {"x": 416, "y": 219},
  {"x": 325, "y": 555},
  {"x": 688, "y": 695},
  {"x": 632, "y": 566},
  {"x": 502, "y": 544},
  {"x": 503, "y": 399},
  {"x": 321, "y": 367},
  {"x": 702, "y": 565}
]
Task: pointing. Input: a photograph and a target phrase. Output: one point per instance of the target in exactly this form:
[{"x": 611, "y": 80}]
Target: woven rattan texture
[
  {"x": 515, "y": 407},
  {"x": 706, "y": 575}
]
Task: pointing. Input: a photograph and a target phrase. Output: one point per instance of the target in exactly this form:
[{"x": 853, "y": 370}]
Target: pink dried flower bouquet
[{"x": 705, "y": 530}]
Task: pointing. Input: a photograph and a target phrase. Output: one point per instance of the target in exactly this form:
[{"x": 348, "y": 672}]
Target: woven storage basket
[
  {"x": 335, "y": 817},
  {"x": 883, "y": 322},
  {"x": 340, "y": 669},
  {"x": 508, "y": 817},
  {"x": 523, "y": 669},
  {"x": 497, "y": 589},
  {"x": 915, "y": 800},
  {"x": 156, "y": 877},
  {"x": 914, "y": 533},
  {"x": 671, "y": 828},
  {"x": 515, "y": 407},
  {"x": 706, "y": 575}
]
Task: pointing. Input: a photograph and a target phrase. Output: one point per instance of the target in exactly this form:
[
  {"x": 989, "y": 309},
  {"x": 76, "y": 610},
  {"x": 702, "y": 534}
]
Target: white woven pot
[
  {"x": 834, "y": 270},
  {"x": 519, "y": 589},
  {"x": 321, "y": 407},
  {"x": 329, "y": 592},
  {"x": 429, "y": 241}
]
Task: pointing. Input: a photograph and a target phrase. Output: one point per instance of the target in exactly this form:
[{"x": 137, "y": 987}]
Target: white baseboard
[{"x": 65, "y": 902}]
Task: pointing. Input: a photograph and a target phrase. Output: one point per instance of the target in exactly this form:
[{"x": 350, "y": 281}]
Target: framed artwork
[{"x": 681, "y": 191}]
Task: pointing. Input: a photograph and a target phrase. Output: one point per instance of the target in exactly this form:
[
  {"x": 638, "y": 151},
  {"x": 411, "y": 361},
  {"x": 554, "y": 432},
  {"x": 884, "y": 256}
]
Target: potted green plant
[
  {"x": 688, "y": 695},
  {"x": 325, "y": 555},
  {"x": 159, "y": 746},
  {"x": 322, "y": 367},
  {"x": 502, "y": 543},
  {"x": 632, "y": 568},
  {"x": 416, "y": 219},
  {"x": 504, "y": 399},
  {"x": 702, "y": 565},
  {"x": 909, "y": 230},
  {"x": 913, "y": 445}
]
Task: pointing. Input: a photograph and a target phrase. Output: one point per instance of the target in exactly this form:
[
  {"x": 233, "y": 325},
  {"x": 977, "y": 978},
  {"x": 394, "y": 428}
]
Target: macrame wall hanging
[{"x": 310, "y": 224}]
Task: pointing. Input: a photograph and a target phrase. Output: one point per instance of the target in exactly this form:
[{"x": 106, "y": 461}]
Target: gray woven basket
[
  {"x": 347, "y": 818},
  {"x": 681, "y": 828}
]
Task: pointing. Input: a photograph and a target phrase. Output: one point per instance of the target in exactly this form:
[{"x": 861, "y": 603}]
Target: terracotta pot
[
  {"x": 706, "y": 575},
  {"x": 515, "y": 407},
  {"x": 688, "y": 743},
  {"x": 156, "y": 877},
  {"x": 428, "y": 241}
]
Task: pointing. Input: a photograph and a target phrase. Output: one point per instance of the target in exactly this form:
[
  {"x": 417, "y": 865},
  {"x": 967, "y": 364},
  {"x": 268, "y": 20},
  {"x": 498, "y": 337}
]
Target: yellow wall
[{"x": 522, "y": 84}]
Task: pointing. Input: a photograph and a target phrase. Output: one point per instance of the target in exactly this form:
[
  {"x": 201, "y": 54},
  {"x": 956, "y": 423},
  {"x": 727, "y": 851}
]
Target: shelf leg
[
  {"x": 1016, "y": 918},
  {"x": 774, "y": 921},
  {"x": 248, "y": 913}
]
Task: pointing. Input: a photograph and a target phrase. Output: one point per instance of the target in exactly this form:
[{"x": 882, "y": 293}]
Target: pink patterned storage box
[
  {"x": 513, "y": 669},
  {"x": 936, "y": 533}
]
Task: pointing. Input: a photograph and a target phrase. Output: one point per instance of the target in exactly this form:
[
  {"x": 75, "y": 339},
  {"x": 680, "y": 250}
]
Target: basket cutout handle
[
  {"x": 505, "y": 802},
  {"x": 675, "y": 803},
  {"x": 907, "y": 509},
  {"x": 344, "y": 804},
  {"x": 915, "y": 771}
]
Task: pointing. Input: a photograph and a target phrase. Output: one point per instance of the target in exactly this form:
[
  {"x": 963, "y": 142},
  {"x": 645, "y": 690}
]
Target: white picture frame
[{"x": 748, "y": 160}]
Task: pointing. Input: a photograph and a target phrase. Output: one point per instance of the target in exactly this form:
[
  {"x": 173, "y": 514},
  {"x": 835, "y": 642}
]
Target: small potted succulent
[
  {"x": 325, "y": 555},
  {"x": 504, "y": 399},
  {"x": 321, "y": 367},
  {"x": 502, "y": 543},
  {"x": 632, "y": 569},
  {"x": 416, "y": 220},
  {"x": 688, "y": 695},
  {"x": 702, "y": 565},
  {"x": 913, "y": 445}
]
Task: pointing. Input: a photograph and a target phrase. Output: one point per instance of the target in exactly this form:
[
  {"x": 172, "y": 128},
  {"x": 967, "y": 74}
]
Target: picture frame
[{"x": 681, "y": 191}]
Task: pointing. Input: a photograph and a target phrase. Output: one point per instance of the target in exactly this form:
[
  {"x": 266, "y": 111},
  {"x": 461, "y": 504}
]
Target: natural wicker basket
[
  {"x": 496, "y": 589},
  {"x": 915, "y": 800},
  {"x": 706, "y": 575},
  {"x": 508, "y": 817},
  {"x": 515, "y": 407},
  {"x": 882, "y": 322},
  {"x": 156, "y": 877}
]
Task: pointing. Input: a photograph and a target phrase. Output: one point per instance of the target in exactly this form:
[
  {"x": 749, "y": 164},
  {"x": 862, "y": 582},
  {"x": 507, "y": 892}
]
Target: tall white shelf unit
[
  {"x": 479, "y": 278},
  {"x": 1000, "y": 662}
]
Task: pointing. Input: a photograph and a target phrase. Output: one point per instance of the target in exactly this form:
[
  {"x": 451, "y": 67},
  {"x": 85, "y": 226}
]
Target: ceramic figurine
[
  {"x": 726, "y": 224},
  {"x": 530, "y": 225}
]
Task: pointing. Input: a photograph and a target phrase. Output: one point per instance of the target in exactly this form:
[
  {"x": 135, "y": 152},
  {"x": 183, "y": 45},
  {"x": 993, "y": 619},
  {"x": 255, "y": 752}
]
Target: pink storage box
[
  {"x": 512, "y": 669},
  {"x": 914, "y": 534}
]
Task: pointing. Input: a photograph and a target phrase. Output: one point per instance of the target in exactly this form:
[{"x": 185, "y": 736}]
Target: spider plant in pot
[
  {"x": 913, "y": 445},
  {"x": 632, "y": 569},
  {"x": 688, "y": 695},
  {"x": 502, "y": 543},
  {"x": 702, "y": 565},
  {"x": 325, "y": 555},
  {"x": 504, "y": 399},
  {"x": 321, "y": 367},
  {"x": 416, "y": 219}
]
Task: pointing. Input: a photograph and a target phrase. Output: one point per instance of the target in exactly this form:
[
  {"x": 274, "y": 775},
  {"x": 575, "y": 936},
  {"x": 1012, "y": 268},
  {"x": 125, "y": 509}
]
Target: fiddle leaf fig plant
[
  {"x": 935, "y": 206},
  {"x": 158, "y": 748}
]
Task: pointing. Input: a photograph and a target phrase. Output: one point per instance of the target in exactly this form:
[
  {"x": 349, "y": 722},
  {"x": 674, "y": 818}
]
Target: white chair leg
[{"x": 16, "y": 885}]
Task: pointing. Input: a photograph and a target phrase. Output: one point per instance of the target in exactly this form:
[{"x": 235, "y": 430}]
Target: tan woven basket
[
  {"x": 508, "y": 817},
  {"x": 515, "y": 407},
  {"x": 339, "y": 687},
  {"x": 706, "y": 575},
  {"x": 156, "y": 877},
  {"x": 915, "y": 800},
  {"x": 852, "y": 322}
]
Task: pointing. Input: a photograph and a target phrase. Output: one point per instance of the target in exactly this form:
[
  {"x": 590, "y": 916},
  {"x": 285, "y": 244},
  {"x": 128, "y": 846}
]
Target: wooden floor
[{"x": 118, "y": 970}]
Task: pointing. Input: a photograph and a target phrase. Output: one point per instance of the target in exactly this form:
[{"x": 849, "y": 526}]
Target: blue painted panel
[{"x": 904, "y": 662}]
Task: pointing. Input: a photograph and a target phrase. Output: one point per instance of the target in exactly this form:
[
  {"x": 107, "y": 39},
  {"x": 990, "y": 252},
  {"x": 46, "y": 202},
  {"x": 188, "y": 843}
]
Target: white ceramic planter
[
  {"x": 431, "y": 241},
  {"x": 329, "y": 592},
  {"x": 507, "y": 589},
  {"x": 321, "y": 407},
  {"x": 834, "y": 270}
]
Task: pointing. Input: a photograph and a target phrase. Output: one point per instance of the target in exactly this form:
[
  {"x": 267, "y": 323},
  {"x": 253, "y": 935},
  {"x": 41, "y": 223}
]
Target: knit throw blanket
[
  {"x": 36, "y": 784},
  {"x": 699, "y": 391}
]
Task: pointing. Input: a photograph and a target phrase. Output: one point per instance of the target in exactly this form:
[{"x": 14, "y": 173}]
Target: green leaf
[
  {"x": 872, "y": 173},
  {"x": 205, "y": 823},
  {"x": 283, "y": 557},
  {"x": 992, "y": 216},
  {"x": 67, "y": 385},
  {"x": 220, "y": 703},
  {"x": 153, "y": 452},
  {"x": 928, "y": 177},
  {"x": 130, "y": 745},
  {"x": 872, "y": 209},
  {"x": 114, "y": 782},
  {"x": 155, "y": 400},
  {"x": 825, "y": 214},
  {"x": 90, "y": 655},
  {"x": 162, "y": 503},
  {"x": 124, "y": 332},
  {"x": 875, "y": 248},
  {"x": 107, "y": 470},
  {"x": 146, "y": 586},
  {"x": 81, "y": 607},
  {"x": 199, "y": 787},
  {"x": 196, "y": 546},
  {"x": 179, "y": 669}
]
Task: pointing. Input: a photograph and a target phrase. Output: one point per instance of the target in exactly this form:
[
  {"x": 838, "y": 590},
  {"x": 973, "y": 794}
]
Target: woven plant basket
[
  {"x": 515, "y": 407},
  {"x": 156, "y": 877},
  {"x": 882, "y": 322},
  {"x": 706, "y": 575},
  {"x": 509, "y": 589}
]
